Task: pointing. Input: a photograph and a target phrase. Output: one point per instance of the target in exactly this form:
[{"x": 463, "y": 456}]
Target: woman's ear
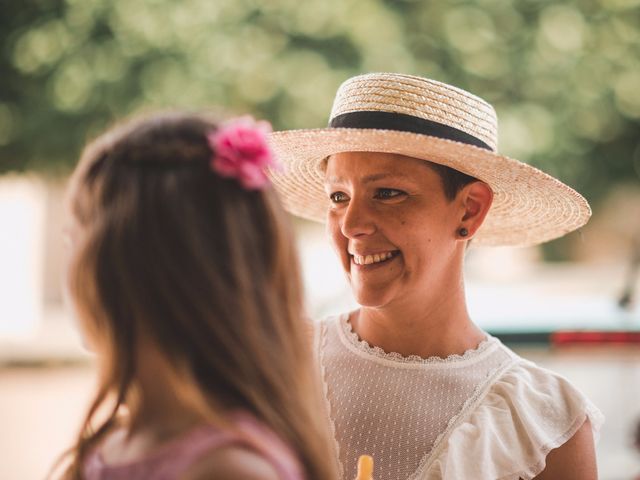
[{"x": 476, "y": 198}]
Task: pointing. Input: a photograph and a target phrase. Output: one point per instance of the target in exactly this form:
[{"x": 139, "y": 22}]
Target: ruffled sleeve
[{"x": 523, "y": 415}]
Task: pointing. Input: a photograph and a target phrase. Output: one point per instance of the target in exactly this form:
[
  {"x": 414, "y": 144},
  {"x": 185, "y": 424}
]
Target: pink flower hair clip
[{"x": 241, "y": 151}]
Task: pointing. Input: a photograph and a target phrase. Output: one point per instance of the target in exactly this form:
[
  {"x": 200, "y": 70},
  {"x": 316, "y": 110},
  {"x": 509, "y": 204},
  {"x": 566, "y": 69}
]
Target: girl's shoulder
[
  {"x": 523, "y": 413},
  {"x": 232, "y": 463},
  {"x": 247, "y": 440}
]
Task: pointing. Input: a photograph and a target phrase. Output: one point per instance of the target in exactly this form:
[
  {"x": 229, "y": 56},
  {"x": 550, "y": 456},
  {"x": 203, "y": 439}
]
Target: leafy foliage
[{"x": 564, "y": 76}]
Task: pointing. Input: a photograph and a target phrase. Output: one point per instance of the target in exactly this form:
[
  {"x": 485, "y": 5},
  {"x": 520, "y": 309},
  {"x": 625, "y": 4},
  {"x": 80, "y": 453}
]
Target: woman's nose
[{"x": 358, "y": 220}]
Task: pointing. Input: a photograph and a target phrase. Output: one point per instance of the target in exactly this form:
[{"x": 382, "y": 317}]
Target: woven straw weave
[{"x": 529, "y": 206}]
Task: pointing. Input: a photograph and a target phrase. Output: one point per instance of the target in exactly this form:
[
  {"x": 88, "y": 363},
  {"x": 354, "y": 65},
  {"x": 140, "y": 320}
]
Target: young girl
[{"x": 185, "y": 281}]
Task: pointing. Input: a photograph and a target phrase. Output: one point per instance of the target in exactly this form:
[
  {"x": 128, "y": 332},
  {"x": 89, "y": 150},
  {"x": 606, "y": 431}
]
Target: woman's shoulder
[
  {"x": 332, "y": 319},
  {"x": 523, "y": 414},
  {"x": 325, "y": 325},
  {"x": 526, "y": 382},
  {"x": 545, "y": 398}
]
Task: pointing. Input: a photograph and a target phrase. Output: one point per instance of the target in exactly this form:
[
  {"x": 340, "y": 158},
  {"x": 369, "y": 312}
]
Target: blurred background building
[{"x": 564, "y": 78}]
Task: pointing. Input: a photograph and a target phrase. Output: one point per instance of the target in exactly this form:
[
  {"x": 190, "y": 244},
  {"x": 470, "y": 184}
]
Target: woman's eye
[
  {"x": 338, "y": 197},
  {"x": 385, "y": 193}
]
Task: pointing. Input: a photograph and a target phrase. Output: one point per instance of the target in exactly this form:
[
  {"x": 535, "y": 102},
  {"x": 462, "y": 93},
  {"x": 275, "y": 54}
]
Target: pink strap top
[{"x": 173, "y": 459}]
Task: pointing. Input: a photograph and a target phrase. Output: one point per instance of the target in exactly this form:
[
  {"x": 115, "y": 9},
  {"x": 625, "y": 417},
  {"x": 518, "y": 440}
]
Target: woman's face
[{"x": 391, "y": 225}]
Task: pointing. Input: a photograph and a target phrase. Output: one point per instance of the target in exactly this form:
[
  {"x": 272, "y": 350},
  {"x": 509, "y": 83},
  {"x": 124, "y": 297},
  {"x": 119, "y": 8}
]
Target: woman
[{"x": 406, "y": 175}]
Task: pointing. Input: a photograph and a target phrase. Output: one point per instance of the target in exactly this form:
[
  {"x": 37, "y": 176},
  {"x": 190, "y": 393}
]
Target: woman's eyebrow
[{"x": 368, "y": 178}]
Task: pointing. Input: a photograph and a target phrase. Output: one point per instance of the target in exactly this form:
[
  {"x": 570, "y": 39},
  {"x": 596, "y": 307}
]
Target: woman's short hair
[{"x": 452, "y": 180}]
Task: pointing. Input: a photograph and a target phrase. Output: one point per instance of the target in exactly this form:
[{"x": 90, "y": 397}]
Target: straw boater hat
[{"x": 428, "y": 120}]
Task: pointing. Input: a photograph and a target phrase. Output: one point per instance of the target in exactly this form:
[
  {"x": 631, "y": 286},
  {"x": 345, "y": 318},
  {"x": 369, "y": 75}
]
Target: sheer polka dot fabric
[{"x": 395, "y": 408}]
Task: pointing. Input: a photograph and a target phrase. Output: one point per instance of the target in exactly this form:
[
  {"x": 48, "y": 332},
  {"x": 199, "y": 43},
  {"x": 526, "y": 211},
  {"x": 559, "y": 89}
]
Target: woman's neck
[{"x": 427, "y": 326}]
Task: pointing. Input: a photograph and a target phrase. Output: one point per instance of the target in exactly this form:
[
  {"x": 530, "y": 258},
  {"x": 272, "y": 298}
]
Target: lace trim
[
  {"x": 322, "y": 341},
  {"x": 364, "y": 347}
]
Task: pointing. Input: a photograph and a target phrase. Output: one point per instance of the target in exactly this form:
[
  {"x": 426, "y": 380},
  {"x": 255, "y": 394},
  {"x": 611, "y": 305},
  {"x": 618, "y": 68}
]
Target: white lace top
[{"x": 486, "y": 415}]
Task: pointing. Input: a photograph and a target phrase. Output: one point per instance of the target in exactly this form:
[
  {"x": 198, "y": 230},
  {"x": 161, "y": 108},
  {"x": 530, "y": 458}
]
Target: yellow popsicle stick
[{"x": 365, "y": 468}]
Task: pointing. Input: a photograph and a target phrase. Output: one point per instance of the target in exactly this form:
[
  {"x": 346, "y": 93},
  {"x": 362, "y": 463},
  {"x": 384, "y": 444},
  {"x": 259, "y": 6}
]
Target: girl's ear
[{"x": 476, "y": 198}]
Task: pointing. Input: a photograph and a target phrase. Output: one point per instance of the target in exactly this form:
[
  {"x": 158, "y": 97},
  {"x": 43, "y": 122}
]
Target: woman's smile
[{"x": 367, "y": 260}]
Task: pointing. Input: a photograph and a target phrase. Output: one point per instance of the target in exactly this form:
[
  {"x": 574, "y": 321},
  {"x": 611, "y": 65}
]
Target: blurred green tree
[{"x": 564, "y": 76}]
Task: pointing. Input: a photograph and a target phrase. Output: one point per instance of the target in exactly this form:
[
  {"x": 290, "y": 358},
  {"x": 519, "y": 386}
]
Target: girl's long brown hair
[{"x": 208, "y": 271}]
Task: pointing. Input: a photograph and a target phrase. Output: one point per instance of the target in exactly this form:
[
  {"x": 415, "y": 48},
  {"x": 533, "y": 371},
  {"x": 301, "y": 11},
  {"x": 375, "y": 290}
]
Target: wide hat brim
[{"x": 529, "y": 207}]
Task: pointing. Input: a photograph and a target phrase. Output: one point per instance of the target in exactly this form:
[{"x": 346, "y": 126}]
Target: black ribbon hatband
[{"x": 404, "y": 123}]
